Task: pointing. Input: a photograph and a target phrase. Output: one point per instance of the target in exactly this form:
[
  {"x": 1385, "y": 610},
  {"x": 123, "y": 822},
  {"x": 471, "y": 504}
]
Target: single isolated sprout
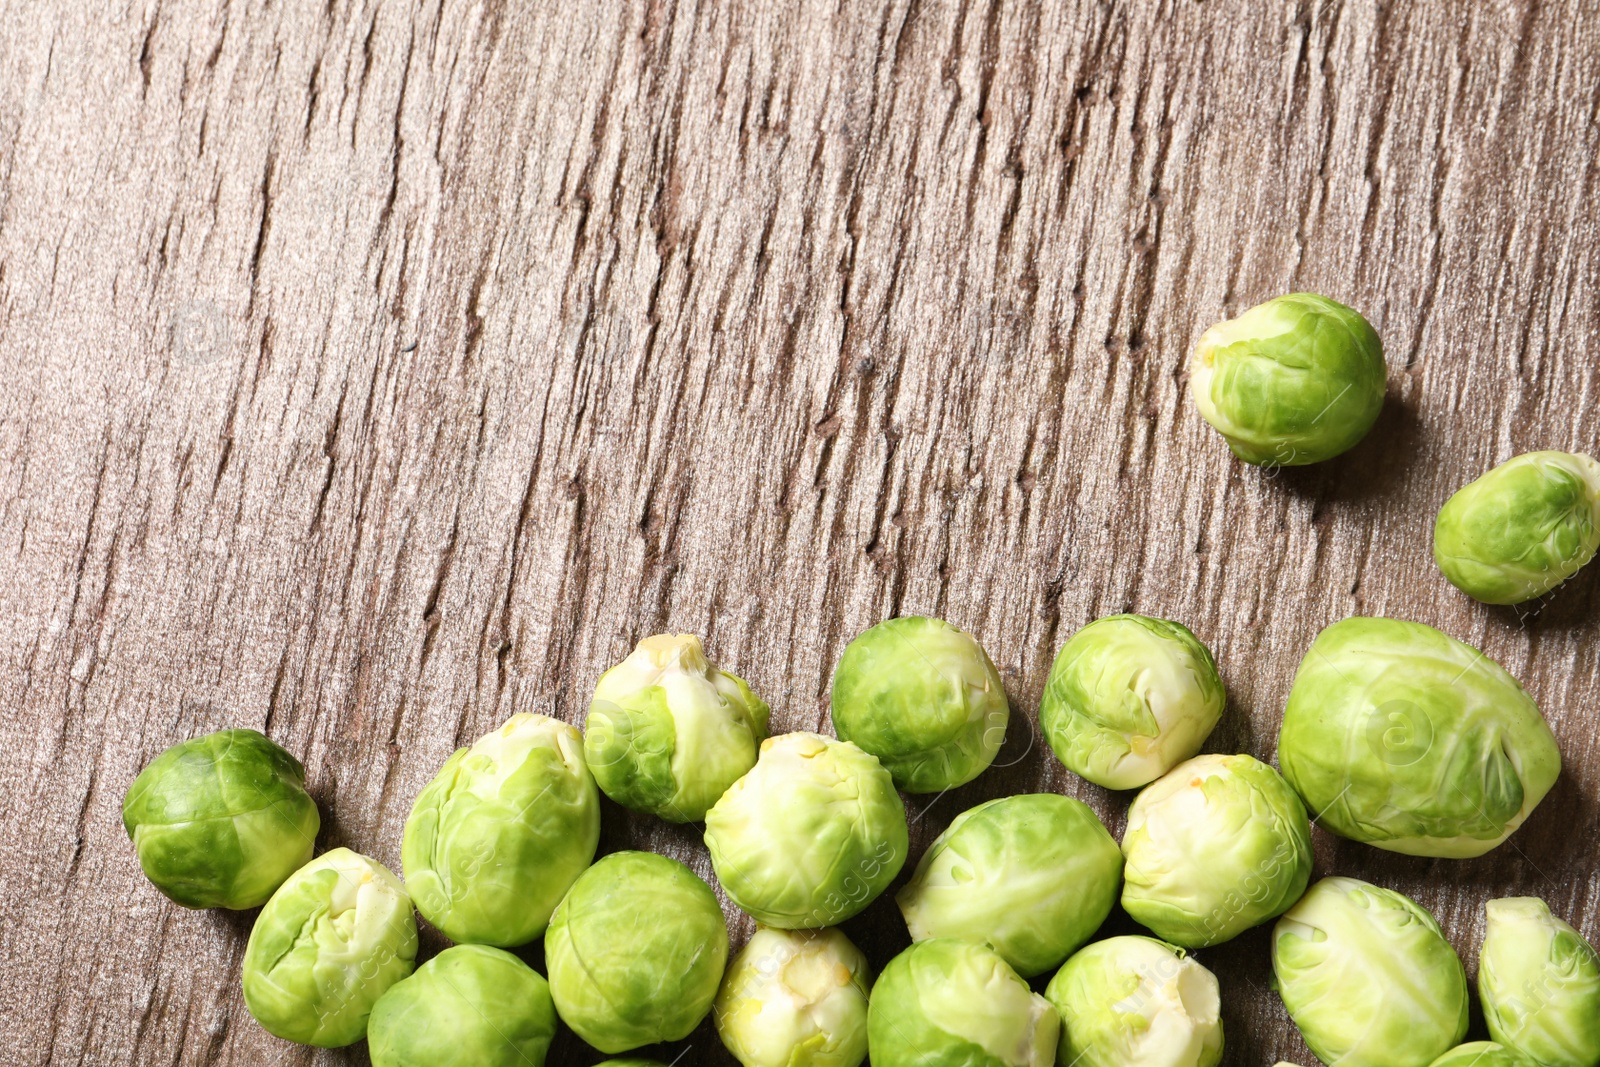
[
  {"x": 1403, "y": 737},
  {"x": 1130, "y": 1001},
  {"x": 1215, "y": 846},
  {"x": 329, "y": 943},
  {"x": 1032, "y": 876},
  {"x": 796, "y": 1000},
  {"x": 955, "y": 1002},
  {"x": 1129, "y": 697},
  {"x": 668, "y": 733},
  {"x": 1522, "y": 529},
  {"x": 1540, "y": 984},
  {"x": 1368, "y": 977},
  {"x": 635, "y": 952},
  {"x": 1483, "y": 1054},
  {"x": 495, "y": 840},
  {"x": 810, "y": 836},
  {"x": 469, "y": 1006},
  {"x": 221, "y": 820},
  {"x": 1293, "y": 381},
  {"x": 924, "y": 698}
]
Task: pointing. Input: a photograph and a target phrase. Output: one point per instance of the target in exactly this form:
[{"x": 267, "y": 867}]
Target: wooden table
[{"x": 374, "y": 371}]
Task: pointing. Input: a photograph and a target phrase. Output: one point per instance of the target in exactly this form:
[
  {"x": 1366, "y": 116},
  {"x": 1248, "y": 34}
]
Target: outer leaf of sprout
[
  {"x": 1482, "y": 1054},
  {"x": 1540, "y": 984},
  {"x": 469, "y": 1006},
  {"x": 924, "y": 698},
  {"x": 810, "y": 836},
  {"x": 1522, "y": 529},
  {"x": 1403, "y": 737},
  {"x": 495, "y": 840},
  {"x": 945, "y": 1001},
  {"x": 221, "y": 821},
  {"x": 329, "y": 943},
  {"x": 1292, "y": 381},
  {"x": 635, "y": 952},
  {"x": 1128, "y": 698},
  {"x": 796, "y": 1000},
  {"x": 1137, "y": 1002},
  {"x": 1215, "y": 846},
  {"x": 1032, "y": 876},
  {"x": 668, "y": 733},
  {"x": 1368, "y": 977}
]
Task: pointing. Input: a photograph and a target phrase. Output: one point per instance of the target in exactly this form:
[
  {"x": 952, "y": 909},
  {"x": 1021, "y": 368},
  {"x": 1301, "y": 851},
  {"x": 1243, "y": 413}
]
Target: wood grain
[{"x": 374, "y": 370}]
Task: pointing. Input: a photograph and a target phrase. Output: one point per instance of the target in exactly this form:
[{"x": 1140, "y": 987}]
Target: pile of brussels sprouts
[{"x": 1395, "y": 734}]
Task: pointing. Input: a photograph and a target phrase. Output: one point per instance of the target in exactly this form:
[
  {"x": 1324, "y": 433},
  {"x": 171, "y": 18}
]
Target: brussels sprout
[
  {"x": 1217, "y": 845},
  {"x": 668, "y": 733},
  {"x": 1130, "y": 1001},
  {"x": 329, "y": 943},
  {"x": 1293, "y": 381},
  {"x": 923, "y": 697},
  {"x": 469, "y": 1006},
  {"x": 1482, "y": 1054},
  {"x": 810, "y": 836},
  {"x": 635, "y": 952},
  {"x": 1129, "y": 697},
  {"x": 220, "y": 821},
  {"x": 632, "y": 1063},
  {"x": 796, "y": 1000},
  {"x": 1368, "y": 977},
  {"x": 1540, "y": 983},
  {"x": 1031, "y": 876},
  {"x": 1407, "y": 739},
  {"x": 1522, "y": 529},
  {"x": 946, "y": 1001},
  {"x": 496, "y": 838}
]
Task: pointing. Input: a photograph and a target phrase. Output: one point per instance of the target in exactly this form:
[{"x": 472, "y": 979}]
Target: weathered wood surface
[{"x": 375, "y": 370}]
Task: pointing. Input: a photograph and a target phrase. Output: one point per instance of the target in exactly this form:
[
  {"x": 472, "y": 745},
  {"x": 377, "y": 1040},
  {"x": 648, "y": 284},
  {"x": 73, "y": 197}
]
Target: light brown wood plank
[{"x": 373, "y": 371}]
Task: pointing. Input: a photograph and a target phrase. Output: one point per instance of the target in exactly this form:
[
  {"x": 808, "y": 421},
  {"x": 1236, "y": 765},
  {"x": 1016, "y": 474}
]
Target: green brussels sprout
[
  {"x": 924, "y": 698},
  {"x": 1293, "y": 381},
  {"x": 1368, "y": 977},
  {"x": 1136, "y": 1000},
  {"x": 1215, "y": 846},
  {"x": 796, "y": 1000},
  {"x": 469, "y": 1006},
  {"x": 1129, "y": 697},
  {"x": 1407, "y": 739},
  {"x": 1522, "y": 529},
  {"x": 810, "y": 836},
  {"x": 635, "y": 952},
  {"x": 946, "y": 1001},
  {"x": 632, "y": 1063},
  {"x": 1031, "y": 876},
  {"x": 495, "y": 840},
  {"x": 1540, "y": 984},
  {"x": 329, "y": 943},
  {"x": 668, "y": 733},
  {"x": 221, "y": 820},
  {"x": 1483, "y": 1054}
]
